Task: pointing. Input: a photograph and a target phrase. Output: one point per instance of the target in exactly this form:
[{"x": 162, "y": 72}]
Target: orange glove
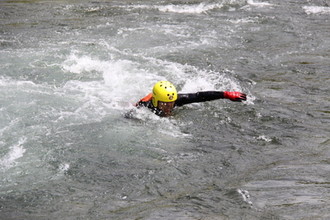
[{"x": 235, "y": 96}]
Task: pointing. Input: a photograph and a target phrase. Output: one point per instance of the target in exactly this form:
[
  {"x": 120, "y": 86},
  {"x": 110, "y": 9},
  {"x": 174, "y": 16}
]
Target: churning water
[{"x": 70, "y": 70}]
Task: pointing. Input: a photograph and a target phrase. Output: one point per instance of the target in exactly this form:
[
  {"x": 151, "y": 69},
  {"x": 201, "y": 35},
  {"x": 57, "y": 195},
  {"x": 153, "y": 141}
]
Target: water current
[{"x": 70, "y": 70}]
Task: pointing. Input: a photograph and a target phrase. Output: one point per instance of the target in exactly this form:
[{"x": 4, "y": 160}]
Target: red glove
[{"x": 235, "y": 96}]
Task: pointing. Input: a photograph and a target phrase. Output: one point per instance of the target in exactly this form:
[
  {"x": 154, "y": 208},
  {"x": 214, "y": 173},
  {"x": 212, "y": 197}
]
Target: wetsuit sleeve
[{"x": 188, "y": 98}]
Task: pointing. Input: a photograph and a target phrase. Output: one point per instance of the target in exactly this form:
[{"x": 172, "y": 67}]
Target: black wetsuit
[{"x": 184, "y": 99}]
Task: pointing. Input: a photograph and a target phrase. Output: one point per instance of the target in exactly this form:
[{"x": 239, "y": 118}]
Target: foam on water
[
  {"x": 182, "y": 8},
  {"x": 316, "y": 10},
  {"x": 15, "y": 152},
  {"x": 165, "y": 126},
  {"x": 190, "y": 9},
  {"x": 78, "y": 64},
  {"x": 245, "y": 195},
  {"x": 251, "y": 4},
  {"x": 264, "y": 138},
  {"x": 259, "y": 4}
]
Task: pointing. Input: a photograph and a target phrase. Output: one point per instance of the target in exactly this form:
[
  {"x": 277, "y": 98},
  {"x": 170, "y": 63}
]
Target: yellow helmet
[{"x": 163, "y": 91}]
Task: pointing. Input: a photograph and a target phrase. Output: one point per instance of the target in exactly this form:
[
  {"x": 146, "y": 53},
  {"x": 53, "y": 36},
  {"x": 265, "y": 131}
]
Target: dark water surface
[{"x": 70, "y": 70}]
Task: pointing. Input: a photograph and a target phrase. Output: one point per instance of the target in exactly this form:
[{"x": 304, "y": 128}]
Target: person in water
[{"x": 164, "y": 98}]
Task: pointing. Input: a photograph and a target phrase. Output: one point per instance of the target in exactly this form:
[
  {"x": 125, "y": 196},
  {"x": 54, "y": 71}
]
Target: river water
[{"x": 70, "y": 70}]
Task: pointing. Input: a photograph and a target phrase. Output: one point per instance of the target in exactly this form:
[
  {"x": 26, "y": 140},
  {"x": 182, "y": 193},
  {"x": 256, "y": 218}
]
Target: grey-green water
[{"x": 70, "y": 70}]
